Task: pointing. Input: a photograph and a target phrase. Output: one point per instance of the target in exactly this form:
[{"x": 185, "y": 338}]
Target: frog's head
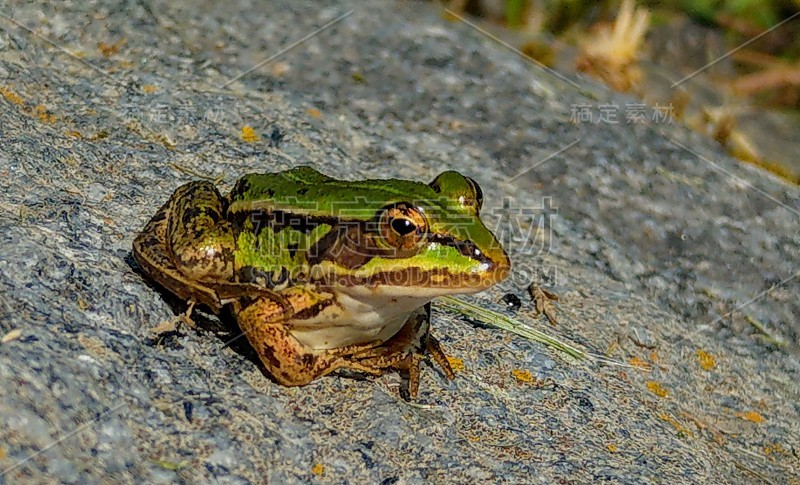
[{"x": 414, "y": 239}]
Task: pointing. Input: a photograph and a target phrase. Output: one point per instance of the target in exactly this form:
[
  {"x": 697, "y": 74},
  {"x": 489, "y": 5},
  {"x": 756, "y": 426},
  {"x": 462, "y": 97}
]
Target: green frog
[{"x": 324, "y": 274}]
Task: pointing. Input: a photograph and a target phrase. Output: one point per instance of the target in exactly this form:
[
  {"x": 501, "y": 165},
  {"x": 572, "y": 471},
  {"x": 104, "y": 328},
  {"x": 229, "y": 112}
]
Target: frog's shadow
[{"x": 223, "y": 326}]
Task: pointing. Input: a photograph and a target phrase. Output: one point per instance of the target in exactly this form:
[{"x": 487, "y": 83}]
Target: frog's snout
[{"x": 499, "y": 266}]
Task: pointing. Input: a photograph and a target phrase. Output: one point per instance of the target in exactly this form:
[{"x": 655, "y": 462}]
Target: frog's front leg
[
  {"x": 407, "y": 348},
  {"x": 263, "y": 321}
]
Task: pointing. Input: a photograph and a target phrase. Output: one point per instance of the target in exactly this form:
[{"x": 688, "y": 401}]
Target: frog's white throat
[{"x": 360, "y": 315}]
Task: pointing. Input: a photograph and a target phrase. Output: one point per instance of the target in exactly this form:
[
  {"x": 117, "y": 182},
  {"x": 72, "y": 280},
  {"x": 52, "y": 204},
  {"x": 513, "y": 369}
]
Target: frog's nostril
[
  {"x": 469, "y": 249},
  {"x": 465, "y": 248},
  {"x": 476, "y": 253}
]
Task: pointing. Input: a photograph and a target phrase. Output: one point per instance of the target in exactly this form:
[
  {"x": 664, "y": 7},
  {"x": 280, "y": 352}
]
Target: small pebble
[{"x": 512, "y": 302}]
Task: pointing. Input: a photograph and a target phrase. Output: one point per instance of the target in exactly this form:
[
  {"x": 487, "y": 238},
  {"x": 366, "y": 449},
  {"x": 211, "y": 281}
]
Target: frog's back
[
  {"x": 303, "y": 190},
  {"x": 296, "y": 182}
]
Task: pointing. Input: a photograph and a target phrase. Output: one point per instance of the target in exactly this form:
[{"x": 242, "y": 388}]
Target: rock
[{"x": 645, "y": 217}]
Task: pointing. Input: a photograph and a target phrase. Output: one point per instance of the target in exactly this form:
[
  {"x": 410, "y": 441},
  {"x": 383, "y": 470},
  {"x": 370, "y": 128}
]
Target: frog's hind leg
[
  {"x": 153, "y": 255},
  {"x": 199, "y": 236},
  {"x": 201, "y": 243},
  {"x": 407, "y": 348},
  {"x": 291, "y": 363}
]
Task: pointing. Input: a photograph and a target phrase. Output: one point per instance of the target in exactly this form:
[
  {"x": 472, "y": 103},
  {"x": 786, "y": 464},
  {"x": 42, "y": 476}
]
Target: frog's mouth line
[
  {"x": 465, "y": 248},
  {"x": 439, "y": 279}
]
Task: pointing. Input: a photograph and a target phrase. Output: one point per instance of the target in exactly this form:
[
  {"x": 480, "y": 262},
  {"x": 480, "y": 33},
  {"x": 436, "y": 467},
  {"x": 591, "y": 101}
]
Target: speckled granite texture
[{"x": 648, "y": 245}]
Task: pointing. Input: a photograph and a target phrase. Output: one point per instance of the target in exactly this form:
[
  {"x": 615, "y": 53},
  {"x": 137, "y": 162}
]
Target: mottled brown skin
[
  {"x": 287, "y": 360},
  {"x": 186, "y": 273},
  {"x": 188, "y": 247}
]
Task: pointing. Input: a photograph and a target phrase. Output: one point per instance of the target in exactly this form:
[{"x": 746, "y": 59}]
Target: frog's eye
[{"x": 402, "y": 226}]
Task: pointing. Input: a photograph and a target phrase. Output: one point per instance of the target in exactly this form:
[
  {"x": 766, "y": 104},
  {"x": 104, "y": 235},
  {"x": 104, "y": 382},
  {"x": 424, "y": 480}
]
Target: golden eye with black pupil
[{"x": 402, "y": 226}]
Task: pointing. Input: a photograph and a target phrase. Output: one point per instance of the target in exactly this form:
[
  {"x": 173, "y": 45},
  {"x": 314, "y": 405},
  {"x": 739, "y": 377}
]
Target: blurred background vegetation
[{"x": 728, "y": 68}]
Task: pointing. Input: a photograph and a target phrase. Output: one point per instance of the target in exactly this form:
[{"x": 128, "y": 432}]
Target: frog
[{"x": 324, "y": 274}]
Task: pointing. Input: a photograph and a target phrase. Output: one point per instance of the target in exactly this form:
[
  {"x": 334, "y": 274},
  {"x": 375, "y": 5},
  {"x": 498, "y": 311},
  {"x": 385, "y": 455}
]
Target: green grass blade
[{"x": 509, "y": 324}]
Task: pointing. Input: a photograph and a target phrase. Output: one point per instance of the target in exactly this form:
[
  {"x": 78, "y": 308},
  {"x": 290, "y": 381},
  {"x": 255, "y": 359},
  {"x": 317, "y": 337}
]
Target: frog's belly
[{"x": 360, "y": 315}]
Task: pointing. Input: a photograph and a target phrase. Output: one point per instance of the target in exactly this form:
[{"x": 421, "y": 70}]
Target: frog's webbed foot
[
  {"x": 171, "y": 325},
  {"x": 406, "y": 349},
  {"x": 408, "y": 364}
]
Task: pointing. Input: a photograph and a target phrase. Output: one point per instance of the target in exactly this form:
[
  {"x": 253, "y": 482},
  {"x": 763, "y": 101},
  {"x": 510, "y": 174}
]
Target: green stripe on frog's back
[
  {"x": 274, "y": 249},
  {"x": 305, "y": 191}
]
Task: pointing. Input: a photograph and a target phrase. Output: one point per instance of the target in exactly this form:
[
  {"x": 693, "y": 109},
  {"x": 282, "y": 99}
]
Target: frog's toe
[
  {"x": 172, "y": 324},
  {"x": 406, "y": 363},
  {"x": 381, "y": 358},
  {"x": 363, "y": 367},
  {"x": 408, "y": 367},
  {"x": 435, "y": 350},
  {"x": 358, "y": 350}
]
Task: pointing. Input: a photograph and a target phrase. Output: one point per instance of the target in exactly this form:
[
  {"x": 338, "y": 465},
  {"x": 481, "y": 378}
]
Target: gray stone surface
[{"x": 650, "y": 245}]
